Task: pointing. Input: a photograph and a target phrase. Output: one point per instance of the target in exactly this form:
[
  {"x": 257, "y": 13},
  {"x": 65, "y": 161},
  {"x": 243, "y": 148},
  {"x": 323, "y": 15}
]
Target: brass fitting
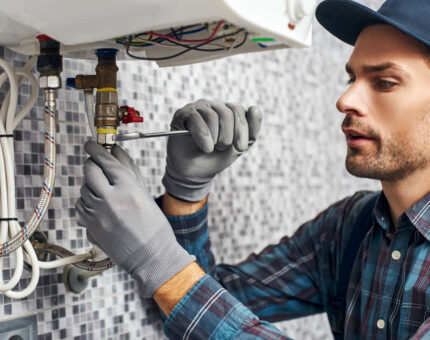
[
  {"x": 106, "y": 117},
  {"x": 106, "y": 71},
  {"x": 86, "y": 82},
  {"x": 107, "y": 112}
]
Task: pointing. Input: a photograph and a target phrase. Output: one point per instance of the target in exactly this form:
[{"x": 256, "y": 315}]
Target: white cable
[
  {"x": 4, "y": 228},
  {"x": 35, "y": 274},
  {"x": 13, "y": 238},
  {"x": 65, "y": 261},
  {"x": 7, "y": 175},
  {"x": 16, "y": 240},
  {"x": 11, "y": 102},
  {"x": 33, "y": 96},
  {"x": 35, "y": 88}
]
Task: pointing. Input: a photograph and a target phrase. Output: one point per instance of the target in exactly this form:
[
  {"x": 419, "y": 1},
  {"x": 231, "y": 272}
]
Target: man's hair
[{"x": 426, "y": 52}]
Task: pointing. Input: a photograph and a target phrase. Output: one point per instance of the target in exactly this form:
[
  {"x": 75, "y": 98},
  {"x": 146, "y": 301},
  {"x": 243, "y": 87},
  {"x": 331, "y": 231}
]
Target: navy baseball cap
[{"x": 345, "y": 19}]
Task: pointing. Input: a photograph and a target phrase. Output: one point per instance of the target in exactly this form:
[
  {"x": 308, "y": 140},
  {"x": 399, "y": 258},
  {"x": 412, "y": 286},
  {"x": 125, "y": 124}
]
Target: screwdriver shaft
[{"x": 140, "y": 135}]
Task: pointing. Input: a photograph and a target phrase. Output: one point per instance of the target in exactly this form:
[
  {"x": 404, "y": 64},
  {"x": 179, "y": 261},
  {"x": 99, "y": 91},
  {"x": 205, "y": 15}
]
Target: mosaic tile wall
[{"x": 295, "y": 170}]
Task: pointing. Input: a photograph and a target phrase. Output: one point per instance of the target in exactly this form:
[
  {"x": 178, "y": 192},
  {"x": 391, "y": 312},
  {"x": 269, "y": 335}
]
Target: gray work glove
[
  {"x": 123, "y": 219},
  {"x": 220, "y": 133}
]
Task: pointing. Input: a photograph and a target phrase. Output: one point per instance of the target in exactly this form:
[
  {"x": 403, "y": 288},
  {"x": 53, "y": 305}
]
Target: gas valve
[{"x": 129, "y": 115}]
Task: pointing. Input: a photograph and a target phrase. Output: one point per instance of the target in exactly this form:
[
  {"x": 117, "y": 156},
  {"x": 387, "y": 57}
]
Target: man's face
[{"x": 387, "y": 106}]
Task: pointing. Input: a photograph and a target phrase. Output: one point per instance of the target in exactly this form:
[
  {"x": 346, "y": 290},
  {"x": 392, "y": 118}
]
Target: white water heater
[{"x": 189, "y": 27}]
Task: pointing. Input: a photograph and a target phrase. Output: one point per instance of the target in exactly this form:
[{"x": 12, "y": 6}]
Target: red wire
[{"x": 188, "y": 41}]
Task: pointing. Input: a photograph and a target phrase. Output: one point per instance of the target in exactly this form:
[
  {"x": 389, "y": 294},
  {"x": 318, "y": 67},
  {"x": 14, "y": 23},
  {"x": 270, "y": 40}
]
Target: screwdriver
[{"x": 139, "y": 135}]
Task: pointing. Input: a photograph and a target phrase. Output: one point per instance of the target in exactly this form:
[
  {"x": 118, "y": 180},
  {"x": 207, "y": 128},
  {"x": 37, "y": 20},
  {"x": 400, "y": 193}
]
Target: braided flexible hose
[{"x": 49, "y": 178}]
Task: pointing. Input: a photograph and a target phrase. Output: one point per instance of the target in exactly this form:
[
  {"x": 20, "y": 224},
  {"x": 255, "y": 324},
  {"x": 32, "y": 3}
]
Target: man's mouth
[{"x": 356, "y": 138}]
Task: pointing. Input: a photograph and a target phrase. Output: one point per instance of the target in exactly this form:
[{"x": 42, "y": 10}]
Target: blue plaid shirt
[{"x": 388, "y": 294}]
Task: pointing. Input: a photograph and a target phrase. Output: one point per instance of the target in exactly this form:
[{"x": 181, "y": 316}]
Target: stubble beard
[{"x": 391, "y": 161}]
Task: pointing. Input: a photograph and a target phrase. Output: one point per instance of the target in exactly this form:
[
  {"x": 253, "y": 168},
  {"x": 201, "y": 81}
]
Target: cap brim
[{"x": 346, "y": 19}]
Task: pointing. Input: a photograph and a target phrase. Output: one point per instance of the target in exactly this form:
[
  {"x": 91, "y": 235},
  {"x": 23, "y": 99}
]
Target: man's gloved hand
[
  {"x": 123, "y": 219},
  {"x": 220, "y": 133}
]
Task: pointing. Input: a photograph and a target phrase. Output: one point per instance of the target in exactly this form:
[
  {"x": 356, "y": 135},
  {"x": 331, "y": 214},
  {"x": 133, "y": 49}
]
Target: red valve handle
[
  {"x": 132, "y": 115},
  {"x": 41, "y": 37}
]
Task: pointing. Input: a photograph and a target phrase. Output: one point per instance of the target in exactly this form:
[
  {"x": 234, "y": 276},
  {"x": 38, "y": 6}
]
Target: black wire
[
  {"x": 158, "y": 39},
  {"x": 172, "y": 31},
  {"x": 190, "y": 26},
  {"x": 206, "y": 42},
  {"x": 187, "y": 48},
  {"x": 206, "y": 49}
]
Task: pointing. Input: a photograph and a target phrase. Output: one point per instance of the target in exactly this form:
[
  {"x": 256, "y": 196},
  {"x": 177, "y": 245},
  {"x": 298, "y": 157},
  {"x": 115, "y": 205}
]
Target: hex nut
[
  {"x": 107, "y": 97},
  {"x": 106, "y": 138},
  {"x": 50, "y": 82},
  {"x": 101, "y": 138}
]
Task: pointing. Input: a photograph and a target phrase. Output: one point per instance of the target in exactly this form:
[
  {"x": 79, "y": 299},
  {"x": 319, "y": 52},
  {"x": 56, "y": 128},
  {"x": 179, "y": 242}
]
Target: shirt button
[
  {"x": 380, "y": 324},
  {"x": 396, "y": 255}
]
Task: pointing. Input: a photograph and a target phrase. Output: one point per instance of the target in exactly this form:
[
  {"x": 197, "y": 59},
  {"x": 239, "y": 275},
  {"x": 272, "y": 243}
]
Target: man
[{"x": 387, "y": 126}]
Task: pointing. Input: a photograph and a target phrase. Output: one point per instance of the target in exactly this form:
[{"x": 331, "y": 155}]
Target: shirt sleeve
[
  {"x": 191, "y": 232},
  {"x": 423, "y": 332},
  {"x": 290, "y": 279},
  {"x": 208, "y": 311}
]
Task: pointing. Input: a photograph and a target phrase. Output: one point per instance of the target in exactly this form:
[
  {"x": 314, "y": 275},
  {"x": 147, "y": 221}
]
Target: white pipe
[{"x": 89, "y": 107}]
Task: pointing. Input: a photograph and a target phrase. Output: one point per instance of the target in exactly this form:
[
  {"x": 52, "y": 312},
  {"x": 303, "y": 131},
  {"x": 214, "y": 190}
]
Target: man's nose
[{"x": 353, "y": 101}]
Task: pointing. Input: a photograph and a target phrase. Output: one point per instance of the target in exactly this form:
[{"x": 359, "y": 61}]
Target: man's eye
[{"x": 385, "y": 84}]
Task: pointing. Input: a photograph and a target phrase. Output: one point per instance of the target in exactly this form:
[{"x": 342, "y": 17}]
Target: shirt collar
[
  {"x": 418, "y": 215},
  {"x": 382, "y": 212}
]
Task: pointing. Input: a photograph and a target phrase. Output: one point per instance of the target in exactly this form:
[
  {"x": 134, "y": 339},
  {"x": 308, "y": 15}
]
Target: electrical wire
[
  {"x": 220, "y": 48},
  {"x": 189, "y": 41},
  {"x": 174, "y": 44},
  {"x": 159, "y": 40},
  {"x": 146, "y": 42},
  {"x": 175, "y": 34},
  {"x": 187, "y": 48}
]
